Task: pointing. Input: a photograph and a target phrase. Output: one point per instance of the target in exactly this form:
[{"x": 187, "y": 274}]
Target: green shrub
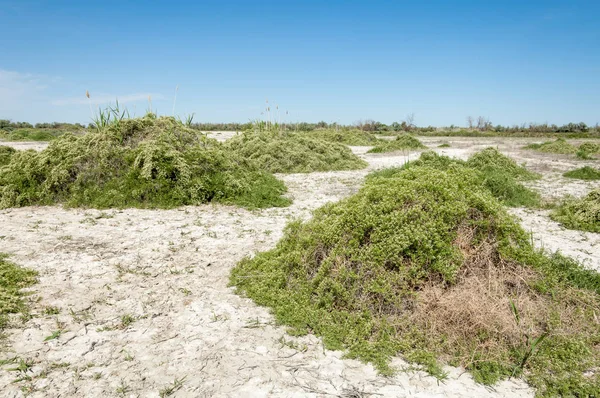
[
  {"x": 492, "y": 159},
  {"x": 144, "y": 162},
  {"x": 582, "y": 214},
  {"x": 494, "y": 171},
  {"x": 6, "y": 154},
  {"x": 402, "y": 142},
  {"x": 344, "y": 136},
  {"x": 12, "y": 280},
  {"x": 586, "y": 150},
  {"x": 31, "y": 134},
  {"x": 293, "y": 153},
  {"x": 559, "y": 146},
  {"x": 427, "y": 263},
  {"x": 584, "y": 173},
  {"x": 590, "y": 147}
]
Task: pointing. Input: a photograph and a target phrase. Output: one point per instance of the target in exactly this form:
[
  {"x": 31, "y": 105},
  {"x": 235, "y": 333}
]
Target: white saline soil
[{"x": 143, "y": 296}]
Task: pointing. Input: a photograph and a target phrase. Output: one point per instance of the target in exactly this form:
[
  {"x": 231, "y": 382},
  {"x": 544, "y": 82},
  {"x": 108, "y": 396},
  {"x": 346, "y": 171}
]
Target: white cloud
[
  {"x": 16, "y": 86},
  {"x": 102, "y": 99}
]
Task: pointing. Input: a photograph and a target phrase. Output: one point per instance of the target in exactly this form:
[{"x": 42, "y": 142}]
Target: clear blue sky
[{"x": 511, "y": 61}]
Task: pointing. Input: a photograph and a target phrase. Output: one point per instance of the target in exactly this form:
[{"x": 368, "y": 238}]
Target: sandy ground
[
  {"x": 24, "y": 145},
  {"x": 138, "y": 301}
]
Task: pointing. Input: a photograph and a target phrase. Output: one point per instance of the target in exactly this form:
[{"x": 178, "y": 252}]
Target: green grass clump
[
  {"x": 580, "y": 213},
  {"x": 560, "y": 146},
  {"x": 492, "y": 159},
  {"x": 590, "y": 147},
  {"x": 427, "y": 263},
  {"x": 502, "y": 176},
  {"x": 444, "y": 145},
  {"x": 293, "y": 153},
  {"x": 31, "y": 135},
  {"x": 402, "y": 142},
  {"x": 148, "y": 162},
  {"x": 586, "y": 150},
  {"x": 12, "y": 279},
  {"x": 352, "y": 137},
  {"x": 6, "y": 154},
  {"x": 584, "y": 173}
]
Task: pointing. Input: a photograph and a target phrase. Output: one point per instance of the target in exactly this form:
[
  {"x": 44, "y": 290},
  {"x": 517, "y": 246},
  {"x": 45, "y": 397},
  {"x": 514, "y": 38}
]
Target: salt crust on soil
[{"x": 169, "y": 270}]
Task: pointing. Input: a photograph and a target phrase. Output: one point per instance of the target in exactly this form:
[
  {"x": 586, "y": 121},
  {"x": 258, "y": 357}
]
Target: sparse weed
[{"x": 171, "y": 388}]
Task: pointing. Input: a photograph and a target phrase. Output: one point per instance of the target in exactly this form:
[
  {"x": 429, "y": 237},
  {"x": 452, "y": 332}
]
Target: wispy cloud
[
  {"x": 103, "y": 99},
  {"x": 16, "y": 85}
]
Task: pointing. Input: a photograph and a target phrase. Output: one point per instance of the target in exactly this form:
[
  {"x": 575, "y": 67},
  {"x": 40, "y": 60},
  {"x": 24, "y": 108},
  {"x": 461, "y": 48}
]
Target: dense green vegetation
[
  {"x": 424, "y": 261},
  {"x": 580, "y": 213},
  {"x": 12, "y": 279},
  {"x": 6, "y": 154},
  {"x": 584, "y": 173},
  {"x": 143, "y": 162},
  {"x": 31, "y": 135},
  {"x": 401, "y": 142},
  {"x": 561, "y": 146},
  {"x": 280, "y": 152},
  {"x": 498, "y": 173},
  {"x": 345, "y": 136}
]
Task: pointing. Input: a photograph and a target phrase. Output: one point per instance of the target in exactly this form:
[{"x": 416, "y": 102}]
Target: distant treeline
[
  {"x": 475, "y": 127},
  {"x": 8, "y": 125}
]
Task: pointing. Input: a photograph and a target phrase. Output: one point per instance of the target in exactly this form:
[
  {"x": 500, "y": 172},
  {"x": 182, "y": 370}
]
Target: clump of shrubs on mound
[
  {"x": 580, "y": 213},
  {"x": 425, "y": 262},
  {"x": 586, "y": 150},
  {"x": 561, "y": 146},
  {"x": 496, "y": 172},
  {"x": 280, "y": 152},
  {"x": 352, "y": 137},
  {"x": 584, "y": 173},
  {"x": 402, "y": 142},
  {"x": 6, "y": 154},
  {"x": 148, "y": 162}
]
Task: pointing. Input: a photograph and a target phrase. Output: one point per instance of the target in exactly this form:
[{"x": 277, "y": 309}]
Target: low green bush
[
  {"x": 560, "y": 146},
  {"x": 584, "y": 173},
  {"x": 425, "y": 262},
  {"x": 580, "y": 213},
  {"x": 280, "y": 152},
  {"x": 31, "y": 135},
  {"x": 402, "y": 142},
  {"x": 352, "y": 137},
  {"x": 590, "y": 147},
  {"x": 144, "y": 162},
  {"x": 498, "y": 173},
  {"x": 6, "y": 153},
  {"x": 586, "y": 150}
]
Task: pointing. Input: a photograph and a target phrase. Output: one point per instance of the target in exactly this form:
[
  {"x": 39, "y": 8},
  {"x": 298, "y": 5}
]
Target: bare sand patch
[{"x": 144, "y": 301}]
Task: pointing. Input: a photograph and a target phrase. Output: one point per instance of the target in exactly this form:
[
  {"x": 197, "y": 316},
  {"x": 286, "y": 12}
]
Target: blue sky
[{"x": 511, "y": 61}]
